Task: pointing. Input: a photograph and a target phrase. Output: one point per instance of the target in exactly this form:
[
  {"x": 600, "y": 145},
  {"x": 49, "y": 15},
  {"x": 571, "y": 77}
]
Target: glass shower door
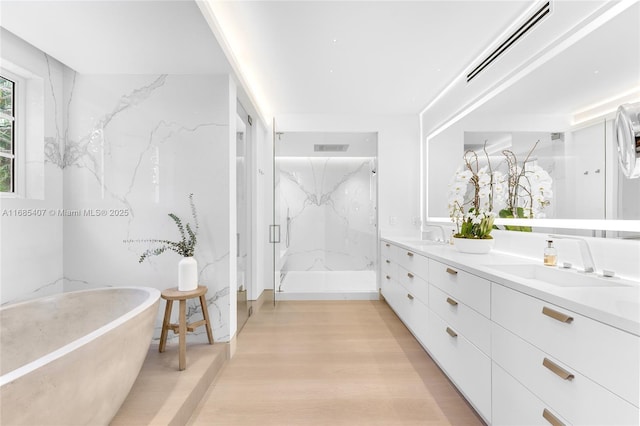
[
  {"x": 242, "y": 217},
  {"x": 275, "y": 229}
]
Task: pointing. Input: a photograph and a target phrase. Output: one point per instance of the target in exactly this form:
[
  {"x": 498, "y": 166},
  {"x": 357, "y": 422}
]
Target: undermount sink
[{"x": 558, "y": 276}]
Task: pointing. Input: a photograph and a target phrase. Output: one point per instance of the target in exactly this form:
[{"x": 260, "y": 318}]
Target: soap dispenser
[{"x": 550, "y": 254}]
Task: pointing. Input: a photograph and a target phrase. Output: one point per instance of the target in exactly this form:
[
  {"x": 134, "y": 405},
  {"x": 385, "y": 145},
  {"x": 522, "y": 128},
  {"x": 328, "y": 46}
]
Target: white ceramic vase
[
  {"x": 187, "y": 274},
  {"x": 472, "y": 245}
]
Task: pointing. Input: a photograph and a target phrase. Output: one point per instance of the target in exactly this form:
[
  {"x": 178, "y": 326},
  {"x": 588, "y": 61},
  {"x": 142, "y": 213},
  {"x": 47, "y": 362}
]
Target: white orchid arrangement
[
  {"x": 474, "y": 217},
  {"x": 523, "y": 192},
  {"x": 529, "y": 188}
]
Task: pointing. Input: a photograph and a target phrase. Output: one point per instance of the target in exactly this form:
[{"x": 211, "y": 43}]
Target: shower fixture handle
[{"x": 274, "y": 234}]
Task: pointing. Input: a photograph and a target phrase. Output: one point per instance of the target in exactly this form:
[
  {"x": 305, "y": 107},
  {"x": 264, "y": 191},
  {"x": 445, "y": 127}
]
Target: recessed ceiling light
[
  {"x": 596, "y": 72},
  {"x": 331, "y": 71}
]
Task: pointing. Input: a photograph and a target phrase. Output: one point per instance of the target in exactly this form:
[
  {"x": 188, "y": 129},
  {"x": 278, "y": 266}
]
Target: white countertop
[{"x": 618, "y": 306}]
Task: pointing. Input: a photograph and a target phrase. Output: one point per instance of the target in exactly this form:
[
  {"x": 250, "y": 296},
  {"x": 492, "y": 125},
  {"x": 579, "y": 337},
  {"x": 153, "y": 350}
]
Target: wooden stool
[{"x": 182, "y": 327}]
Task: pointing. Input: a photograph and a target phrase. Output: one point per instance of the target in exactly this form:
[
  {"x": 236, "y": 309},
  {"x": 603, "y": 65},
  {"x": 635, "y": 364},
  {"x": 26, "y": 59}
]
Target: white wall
[{"x": 31, "y": 247}]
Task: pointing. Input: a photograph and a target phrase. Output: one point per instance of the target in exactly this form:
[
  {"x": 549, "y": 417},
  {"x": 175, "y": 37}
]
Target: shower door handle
[{"x": 274, "y": 234}]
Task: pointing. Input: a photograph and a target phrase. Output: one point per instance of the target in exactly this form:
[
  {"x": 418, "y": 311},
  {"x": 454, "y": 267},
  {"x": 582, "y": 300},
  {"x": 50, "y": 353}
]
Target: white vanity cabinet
[
  {"x": 459, "y": 331},
  {"x": 568, "y": 361},
  {"x": 388, "y": 265},
  {"x": 513, "y": 404},
  {"x": 472, "y": 290},
  {"x": 404, "y": 286},
  {"x": 474, "y": 326},
  {"x": 518, "y": 359}
]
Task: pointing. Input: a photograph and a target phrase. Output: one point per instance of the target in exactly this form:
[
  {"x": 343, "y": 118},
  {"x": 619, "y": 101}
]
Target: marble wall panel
[
  {"x": 136, "y": 147},
  {"x": 327, "y": 209},
  {"x": 31, "y": 234}
]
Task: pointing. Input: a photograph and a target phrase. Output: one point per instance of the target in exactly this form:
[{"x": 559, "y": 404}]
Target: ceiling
[
  {"x": 303, "y": 57},
  {"x": 300, "y": 57},
  {"x": 358, "y": 57},
  {"x": 118, "y": 37}
]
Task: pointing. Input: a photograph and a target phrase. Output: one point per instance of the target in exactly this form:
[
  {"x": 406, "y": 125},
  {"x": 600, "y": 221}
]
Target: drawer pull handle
[
  {"x": 409, "y": 296},
  {"x": 410, "y": 275},
  {"x": 388, "y": 277},
  {"x": 388, "y": 261},
  {"x": 452, "y": 271},
  {"x": 553, "y": 420},
  {"x": 409, "y": 254},
  {"x": 388, "y": 245},
  {"x": 452, "y": 302},
  {"x": 557, "y": 315},
  {"x": 451, "y": 332},
  {"x": 555, "y": 368}
]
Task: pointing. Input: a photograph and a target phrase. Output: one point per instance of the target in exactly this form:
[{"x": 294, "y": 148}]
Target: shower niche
[{"x": 327, "y": 206}]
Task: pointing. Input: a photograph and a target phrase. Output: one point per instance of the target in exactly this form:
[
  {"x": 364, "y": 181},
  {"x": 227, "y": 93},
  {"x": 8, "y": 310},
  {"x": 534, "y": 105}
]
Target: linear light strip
[
  {"x": 241, "y": 70},
  {"x": 605, "y": 107},
  {"x": 461, "y": 75},
  {"x": 592, "y": 224}
]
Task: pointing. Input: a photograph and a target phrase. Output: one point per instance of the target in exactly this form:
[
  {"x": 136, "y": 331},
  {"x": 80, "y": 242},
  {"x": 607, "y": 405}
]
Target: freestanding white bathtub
[{"x": 72, "y": 358}]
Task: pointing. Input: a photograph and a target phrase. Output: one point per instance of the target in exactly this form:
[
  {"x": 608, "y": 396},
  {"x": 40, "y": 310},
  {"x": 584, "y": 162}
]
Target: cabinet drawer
[
  {"x": 417, "y": 318},
  {"x": 464, "y": 363},
  {"x": 603, "y": 353},
  {"x": 411, "y": 311},
  {"x": 412, "y": 262},
  {"x": 388, "y": 267},
  {"x": 385, "y": 286},
  {"x": 514, "y": 405},
  {"x": 463, "y": 286},
  {"x": 386, "y": 250},
  {"x": 392, "y": 292},
  {"x": 475, "y": 327},
  {"x": 415, "y": 285},
  {"x": 568, "y": 392}
]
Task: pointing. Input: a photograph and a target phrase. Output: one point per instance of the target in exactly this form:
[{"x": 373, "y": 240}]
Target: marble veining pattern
[
  {"x": 328, "y": 211},
  {"x": 136, "y": 145},
  {"x": 141, "y": 153},
  {"x": 31, "y": 264}
]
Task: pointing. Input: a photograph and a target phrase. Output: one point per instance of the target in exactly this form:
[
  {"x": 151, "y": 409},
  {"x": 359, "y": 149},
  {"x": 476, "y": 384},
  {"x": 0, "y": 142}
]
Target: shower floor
[{"x": 329, "y": 285}]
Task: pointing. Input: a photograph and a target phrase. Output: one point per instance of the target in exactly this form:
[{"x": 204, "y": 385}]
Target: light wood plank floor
[{"x": 331, "y": 363}]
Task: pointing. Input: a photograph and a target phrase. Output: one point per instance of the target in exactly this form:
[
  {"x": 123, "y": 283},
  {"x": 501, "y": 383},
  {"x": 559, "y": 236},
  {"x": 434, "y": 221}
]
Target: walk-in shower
[{"x": 327, "y": 206}]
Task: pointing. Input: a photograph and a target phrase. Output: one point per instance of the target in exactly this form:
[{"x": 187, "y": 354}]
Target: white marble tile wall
[
  {"x": 136, "y": 147},
  {"x": 330, "y": 204},
  {"x": 31, "y": 243}
]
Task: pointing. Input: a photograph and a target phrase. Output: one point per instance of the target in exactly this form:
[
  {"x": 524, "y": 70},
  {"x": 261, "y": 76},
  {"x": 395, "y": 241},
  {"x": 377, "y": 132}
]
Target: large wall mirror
[{"x": 567, "y": 105}]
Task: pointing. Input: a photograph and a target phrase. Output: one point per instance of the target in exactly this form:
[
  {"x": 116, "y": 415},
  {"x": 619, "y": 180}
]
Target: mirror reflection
[{"x": 568, "y": 104}]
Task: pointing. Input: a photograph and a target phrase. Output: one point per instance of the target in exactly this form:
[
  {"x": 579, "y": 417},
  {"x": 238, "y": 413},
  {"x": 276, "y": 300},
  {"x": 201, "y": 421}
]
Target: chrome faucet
[
  {"x": 444, "y": 239},
  {"x": 585, "y": 252}
]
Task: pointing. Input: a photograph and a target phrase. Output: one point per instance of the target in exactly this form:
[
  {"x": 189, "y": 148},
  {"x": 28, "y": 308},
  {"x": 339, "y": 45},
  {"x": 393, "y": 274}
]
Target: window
[{"x": 7, "y": 135}]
